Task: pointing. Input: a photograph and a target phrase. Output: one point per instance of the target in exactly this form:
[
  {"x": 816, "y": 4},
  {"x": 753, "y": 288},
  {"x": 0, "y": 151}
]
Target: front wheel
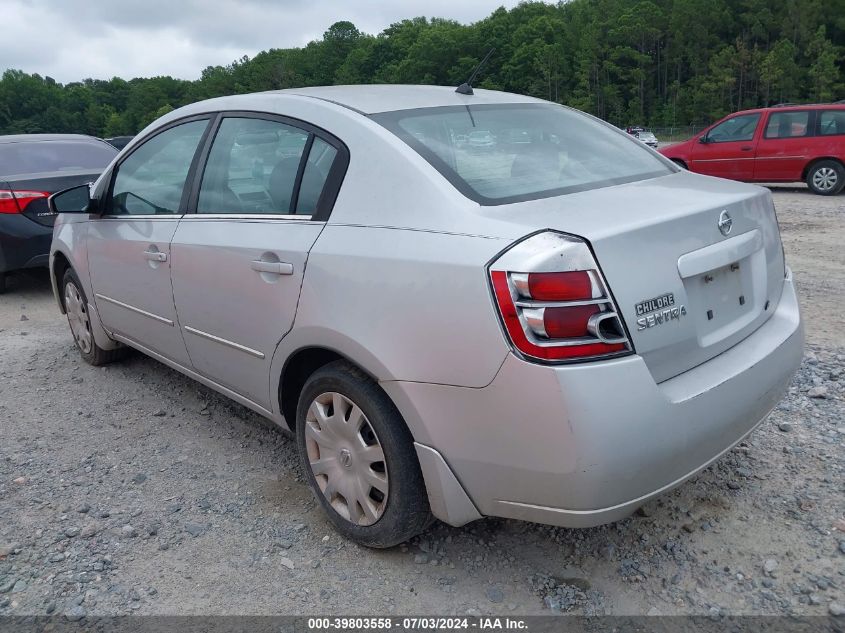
[
  {"x": 359, "y": 458},
  {"x": 826, "y": 177},
  {"x": 76, "y": 307}
]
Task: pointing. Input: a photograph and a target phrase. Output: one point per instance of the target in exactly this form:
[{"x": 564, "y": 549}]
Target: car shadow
[
  {"x": 787, "y": 188},
  {"x": 27, "y": 284}
]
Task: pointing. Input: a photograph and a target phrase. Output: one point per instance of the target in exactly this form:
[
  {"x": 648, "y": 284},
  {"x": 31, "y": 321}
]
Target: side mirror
[
  {"x": 74, "y": 200},
  {"x": 703, "y": 139}
]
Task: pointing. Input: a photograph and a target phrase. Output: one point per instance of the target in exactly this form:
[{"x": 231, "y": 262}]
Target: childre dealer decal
[{"x": 658, "y": 311}]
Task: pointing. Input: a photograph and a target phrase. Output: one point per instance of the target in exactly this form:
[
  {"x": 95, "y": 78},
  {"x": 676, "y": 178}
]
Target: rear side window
[
  {"x": 497, "y": 154},
  {"x": 264, "y": 166},
  {"x": 788, "y": 124},
  {"x": 34, "y": 157},
  {"x": 831, "y": 122}
]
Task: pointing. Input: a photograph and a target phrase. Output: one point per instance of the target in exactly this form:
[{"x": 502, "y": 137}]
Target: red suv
[{"x": 778, "y": 144}]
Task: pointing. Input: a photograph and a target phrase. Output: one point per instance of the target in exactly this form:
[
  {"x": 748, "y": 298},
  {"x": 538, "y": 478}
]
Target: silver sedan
[{"x": 553, "y": 327}]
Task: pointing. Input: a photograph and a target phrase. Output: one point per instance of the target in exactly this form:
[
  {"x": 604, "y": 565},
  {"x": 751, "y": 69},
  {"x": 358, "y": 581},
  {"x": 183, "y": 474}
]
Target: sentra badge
[{"x": 658, "y": 311}]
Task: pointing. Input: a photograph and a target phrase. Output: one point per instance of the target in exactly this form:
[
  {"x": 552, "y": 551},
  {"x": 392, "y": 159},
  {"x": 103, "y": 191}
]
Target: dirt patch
[{"x": 813, "y": 234}]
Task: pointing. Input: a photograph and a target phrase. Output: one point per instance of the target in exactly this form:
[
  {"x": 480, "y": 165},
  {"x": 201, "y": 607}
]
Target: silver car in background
[
  {"x": 648, "y": 138},
  {"x": 553, "y": 330}
]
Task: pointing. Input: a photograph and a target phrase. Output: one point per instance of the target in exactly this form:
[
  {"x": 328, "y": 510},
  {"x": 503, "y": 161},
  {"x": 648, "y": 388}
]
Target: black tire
[
  {"x": 95, "y": 355},
  {"x": 826, "y": 177},
  {"x": 406, "y": 511},
  {"x": 2, "y": 283},
  {"x": 679, "y": 163}
]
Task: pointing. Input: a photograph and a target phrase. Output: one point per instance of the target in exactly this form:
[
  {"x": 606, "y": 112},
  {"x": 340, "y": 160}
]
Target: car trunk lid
[
  {"x": 695, "y": 264},
  {"x": 36, "y": 209}
]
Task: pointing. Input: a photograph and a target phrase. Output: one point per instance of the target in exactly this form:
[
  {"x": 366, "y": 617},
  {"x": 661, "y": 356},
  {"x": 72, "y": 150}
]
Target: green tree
[
  {"x": 653, "y": 62},
  {"x": 823, "y": 70},
  {"x": 780, "y": 73}
]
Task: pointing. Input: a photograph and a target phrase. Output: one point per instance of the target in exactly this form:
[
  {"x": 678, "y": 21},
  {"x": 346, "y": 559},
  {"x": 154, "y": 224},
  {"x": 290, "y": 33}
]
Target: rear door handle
[
  {"x": 156, "y": 256},
  {"x": 274, "y": 268},
  {"x": 746, "y": 148}
]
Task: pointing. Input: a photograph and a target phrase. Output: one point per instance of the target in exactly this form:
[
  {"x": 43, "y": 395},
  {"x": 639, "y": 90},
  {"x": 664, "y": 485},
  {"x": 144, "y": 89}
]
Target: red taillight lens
[
  {"x": 17, "y": 201},
  {"x": 557, "y": 315},
  {"x": 569, "y": 286},
  {"x": 7, "y": 202},
  {"x": 568, "y": 322},
  {"x": 517, "y": 333}
]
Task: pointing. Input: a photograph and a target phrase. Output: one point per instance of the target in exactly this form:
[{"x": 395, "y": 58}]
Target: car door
[
  {"x": 784, "y": 147},
  {"x": 727, "y": 149},
  {"x": 129, "y": 245},
  {"x": 239, "y": 258}
]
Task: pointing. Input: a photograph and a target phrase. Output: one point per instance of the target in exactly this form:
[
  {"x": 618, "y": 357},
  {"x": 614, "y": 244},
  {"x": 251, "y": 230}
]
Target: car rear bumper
[
  {"x": 582, "y": 445},
  {"x": 23, "y": 243}
]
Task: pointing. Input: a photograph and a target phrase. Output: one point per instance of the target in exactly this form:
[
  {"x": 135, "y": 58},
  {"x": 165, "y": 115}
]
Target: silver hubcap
[
  {"x": 346, "y": 458},
  {"x": 77, "y": 316},
  {"x": 825, "y": 179}
]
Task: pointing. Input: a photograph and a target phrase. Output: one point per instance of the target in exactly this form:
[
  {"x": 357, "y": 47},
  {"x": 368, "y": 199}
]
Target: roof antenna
[{"x": 466, "y": 87}]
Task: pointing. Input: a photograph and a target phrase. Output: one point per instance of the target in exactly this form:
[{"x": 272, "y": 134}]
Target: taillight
[
  {"x": 554, "y": 302},
  {"x": 17, "y": 201},
  {"x": 571, "y": 286},
  {"x": 7, "y": 202}
]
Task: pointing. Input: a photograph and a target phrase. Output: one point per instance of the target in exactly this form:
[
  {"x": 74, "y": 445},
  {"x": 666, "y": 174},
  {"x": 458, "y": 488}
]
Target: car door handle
[
  {"x": 274, "y": 268},
  {"x": 746, "y": 148},
  {"x": 156, "y": 256}
]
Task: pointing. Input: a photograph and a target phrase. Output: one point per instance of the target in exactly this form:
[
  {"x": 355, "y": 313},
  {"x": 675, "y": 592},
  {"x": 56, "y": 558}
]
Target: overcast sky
[{"x": 70, "y": 40}]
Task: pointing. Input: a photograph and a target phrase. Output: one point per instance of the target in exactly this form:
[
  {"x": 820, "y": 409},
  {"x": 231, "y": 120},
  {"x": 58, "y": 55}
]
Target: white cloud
[{"x": 70, "y": 40}]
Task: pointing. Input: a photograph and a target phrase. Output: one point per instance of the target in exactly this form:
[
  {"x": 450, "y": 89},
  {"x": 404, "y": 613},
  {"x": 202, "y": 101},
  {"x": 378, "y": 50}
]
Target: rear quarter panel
[
  {"x": 404, "y": 304},
  {"x": 832, "y": 146}
]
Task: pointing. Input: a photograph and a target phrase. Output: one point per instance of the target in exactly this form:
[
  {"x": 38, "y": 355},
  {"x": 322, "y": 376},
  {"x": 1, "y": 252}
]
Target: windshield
[
  {"x": 35, "y": 157},
  {"x": 496, "y": 154}
]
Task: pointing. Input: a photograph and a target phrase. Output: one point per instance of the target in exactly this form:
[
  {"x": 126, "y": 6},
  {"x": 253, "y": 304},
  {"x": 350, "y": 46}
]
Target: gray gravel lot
[{"x": 132, "y": 489}]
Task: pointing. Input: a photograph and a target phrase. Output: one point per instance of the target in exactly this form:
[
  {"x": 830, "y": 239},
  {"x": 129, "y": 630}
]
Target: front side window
[
  {"x": 497, "y": 154},
  {"x": 152, "y": 179},
  {"x": 788, "y": 124},
  {"x": 831, "y": 122},
  {"x": 739, "y": 128},
  {"x": 264, "y": 166}
]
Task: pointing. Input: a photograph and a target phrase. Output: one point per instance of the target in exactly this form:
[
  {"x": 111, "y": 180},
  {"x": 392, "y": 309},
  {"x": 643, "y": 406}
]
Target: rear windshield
[
  {"x": 496, "y": 154},
  {"x": 33, "y": 157}
]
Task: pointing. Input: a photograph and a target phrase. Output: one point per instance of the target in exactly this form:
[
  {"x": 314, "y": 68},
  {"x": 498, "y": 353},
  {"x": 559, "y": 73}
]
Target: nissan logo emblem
[{"x": 725, "y": 222}]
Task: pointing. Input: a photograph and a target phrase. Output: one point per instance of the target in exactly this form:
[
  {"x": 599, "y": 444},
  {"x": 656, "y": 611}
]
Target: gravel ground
[{"x": 132, "y": 489}]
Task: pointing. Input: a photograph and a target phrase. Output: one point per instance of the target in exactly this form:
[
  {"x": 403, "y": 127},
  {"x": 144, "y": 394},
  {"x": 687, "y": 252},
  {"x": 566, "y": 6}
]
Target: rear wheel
[
  {"x": 359, "y": 458},
  {"x": 76, "y": 307},
  {"x": 826, "y": 177}
]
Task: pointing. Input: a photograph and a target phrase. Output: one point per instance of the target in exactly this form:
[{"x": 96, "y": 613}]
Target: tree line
[{"x": 651, "y": 62}]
